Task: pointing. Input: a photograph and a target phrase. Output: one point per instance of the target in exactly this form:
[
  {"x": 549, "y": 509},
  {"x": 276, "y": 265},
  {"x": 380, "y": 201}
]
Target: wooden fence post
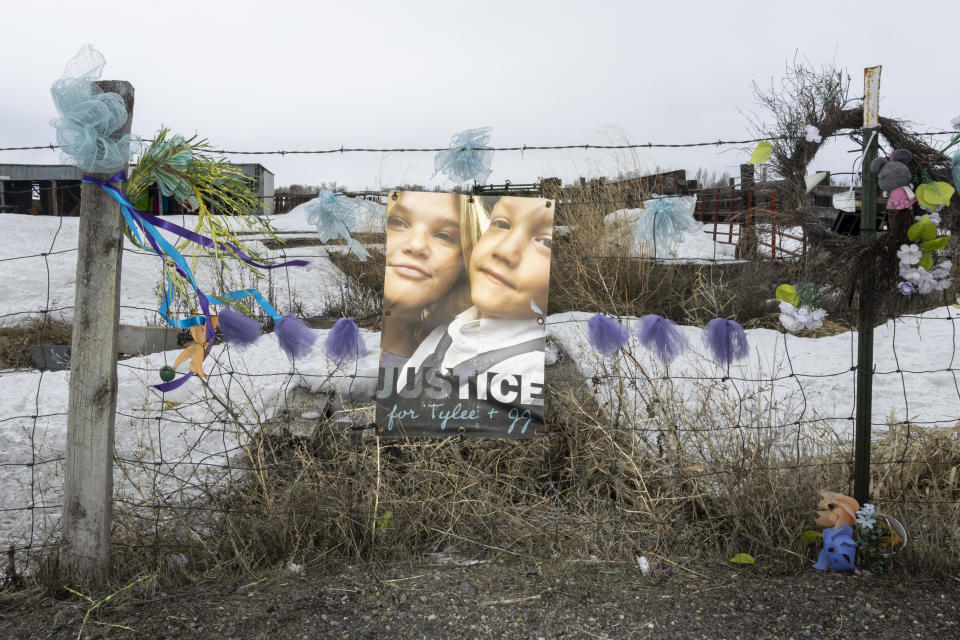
[
  {"x": 865, "y": 313},
  {"x": 88, "y": 475}
]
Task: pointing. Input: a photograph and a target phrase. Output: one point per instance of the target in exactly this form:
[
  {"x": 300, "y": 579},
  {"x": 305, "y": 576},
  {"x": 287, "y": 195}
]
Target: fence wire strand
[{"x": 212, "y": 456}]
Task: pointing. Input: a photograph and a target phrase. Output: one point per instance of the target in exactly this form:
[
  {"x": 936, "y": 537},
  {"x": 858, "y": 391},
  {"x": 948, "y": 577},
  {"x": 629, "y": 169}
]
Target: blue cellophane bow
[
  {"x": 464, "y": 161},
  {"x": 665, "y": 219},
  {"x": 335, "y": 215},
  {"x": 140, "y": 222},
  {"x": 170, "y": 179},
  {"x": 89, "y": 117}
]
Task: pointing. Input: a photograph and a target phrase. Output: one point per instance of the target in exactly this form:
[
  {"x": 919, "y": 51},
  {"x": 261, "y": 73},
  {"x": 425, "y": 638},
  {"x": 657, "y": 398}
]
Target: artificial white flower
[
  {"x": 956, "y": 123},
  {"x": 933, "y": 215},
  {"x": 816, "y": 319},
  {"x": 788, "y": 317},
  {"x": 911, "y": 274},
  {"x": 865, "y": 517},
  {"x": 909, "y": 254},
  {"x": 813, "y": 134},
  {"x": 794, "y": 319}
]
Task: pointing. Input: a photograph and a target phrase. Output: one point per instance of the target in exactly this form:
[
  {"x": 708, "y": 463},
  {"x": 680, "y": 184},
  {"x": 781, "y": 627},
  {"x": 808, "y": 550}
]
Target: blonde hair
[{"x": 474, "y": 220}]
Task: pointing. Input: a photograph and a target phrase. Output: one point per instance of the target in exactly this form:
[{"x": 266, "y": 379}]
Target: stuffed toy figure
[
  {"x": 895, "y": 177},
  {"x": 836, "y": 510},
  {"x": 839, "y": 513}
]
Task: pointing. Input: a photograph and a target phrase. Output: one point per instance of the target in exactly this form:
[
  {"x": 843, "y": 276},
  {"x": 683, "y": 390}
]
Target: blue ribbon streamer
[{"x": 147, "y": 225}]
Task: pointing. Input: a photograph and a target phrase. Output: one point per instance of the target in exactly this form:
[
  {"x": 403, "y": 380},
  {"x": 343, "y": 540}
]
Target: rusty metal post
[{"x": 866, "y": 313}]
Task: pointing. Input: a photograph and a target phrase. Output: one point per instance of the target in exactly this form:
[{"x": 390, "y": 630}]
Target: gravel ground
[{"x": 439, "y": 598}]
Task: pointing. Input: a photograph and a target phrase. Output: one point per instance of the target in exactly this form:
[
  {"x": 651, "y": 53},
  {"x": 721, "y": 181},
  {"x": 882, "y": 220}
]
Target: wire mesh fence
[{"x": 269, "y": 460}]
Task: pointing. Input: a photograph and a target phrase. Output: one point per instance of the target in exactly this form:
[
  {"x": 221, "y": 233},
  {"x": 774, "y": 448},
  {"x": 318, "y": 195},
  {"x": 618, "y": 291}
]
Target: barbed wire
[{"x": 521, "y": 148}]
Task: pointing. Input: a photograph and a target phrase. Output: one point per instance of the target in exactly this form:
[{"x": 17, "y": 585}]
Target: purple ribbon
[
  {"x": 192, "y": 236},
  {"x": 139, "y": 216}
]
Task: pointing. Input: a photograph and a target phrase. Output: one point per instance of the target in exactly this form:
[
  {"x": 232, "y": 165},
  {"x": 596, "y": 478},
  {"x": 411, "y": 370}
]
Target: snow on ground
[
  {"x": 195, "y": 437},
  {"x": 696, "y": 246},
  {"x": 26, "y": 289},
  {"x": 705, "y": 245},
  {"x": 786, "y": 378}
]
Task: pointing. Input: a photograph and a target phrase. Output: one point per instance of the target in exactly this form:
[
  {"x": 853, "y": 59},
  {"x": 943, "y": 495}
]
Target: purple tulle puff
[
  {"x": 726, "y": 340},
  {"x": 344, "y": 342},
  {"x": 296, "y": 339},
  {"x": 238, "y": 329},
  {"x": 662, "y": 337},
  {"x": 606, "y": 334}
]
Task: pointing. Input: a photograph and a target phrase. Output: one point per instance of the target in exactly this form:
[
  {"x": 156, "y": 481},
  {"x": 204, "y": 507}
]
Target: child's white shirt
[{"x": 472, "y": 335}]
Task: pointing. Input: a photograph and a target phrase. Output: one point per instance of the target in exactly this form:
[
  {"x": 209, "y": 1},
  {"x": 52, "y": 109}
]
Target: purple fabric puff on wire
[
  {"x": 606, "y": 334},
  {"x": 344, "y": 342},
  {"x": 726, "y": 340},
  {"x": 662, "y": 337},
  {"x": 237, "y": 328},
  {"x": 296, "y": 339}
]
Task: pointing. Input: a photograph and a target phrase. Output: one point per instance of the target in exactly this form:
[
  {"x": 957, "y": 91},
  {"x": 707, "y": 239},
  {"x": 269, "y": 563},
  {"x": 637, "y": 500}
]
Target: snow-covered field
[
  {"x": 712, "y": 243},
  {"x": 785, "y": 379},
  {"x": 31, "y": 284}
]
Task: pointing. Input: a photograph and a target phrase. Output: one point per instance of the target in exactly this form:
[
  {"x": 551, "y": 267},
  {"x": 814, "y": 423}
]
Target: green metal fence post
[{"x": 866, "y": 314}]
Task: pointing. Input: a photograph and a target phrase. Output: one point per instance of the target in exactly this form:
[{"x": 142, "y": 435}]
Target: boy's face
[{"x": 510, "y": 266}]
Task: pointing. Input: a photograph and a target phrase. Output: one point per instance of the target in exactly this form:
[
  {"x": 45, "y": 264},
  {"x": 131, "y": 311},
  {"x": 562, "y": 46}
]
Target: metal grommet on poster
[
  {"x": 387, "y": 313},
  {"x": 393, "y": 196},
  {"x": 548, "y": 204},
  {"x": 538, "y": 432},
  {"x": 540, "y": 320}
]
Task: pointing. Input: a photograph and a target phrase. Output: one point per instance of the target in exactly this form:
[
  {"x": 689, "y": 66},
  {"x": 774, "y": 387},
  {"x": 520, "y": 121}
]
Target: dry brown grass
[
  {"x": 673, "y": 488},
  {"x": 15, "y": 341}
]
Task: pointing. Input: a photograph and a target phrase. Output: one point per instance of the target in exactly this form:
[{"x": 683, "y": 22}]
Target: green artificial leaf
[
  {"x": 923, "y": 229},
  {"x": 811, "y": 537},
  {"x": 932, "y": 194},
  {"x": 762, "y": 153},
  {"x": 743, "y": 558},
  {"x": 926, "y": 261},
  {"x": 788, "y": 293},
  {"x": 935, "y": 244}
]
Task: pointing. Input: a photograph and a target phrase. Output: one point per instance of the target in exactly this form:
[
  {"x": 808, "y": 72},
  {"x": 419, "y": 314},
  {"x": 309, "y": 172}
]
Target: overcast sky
[{"x": 279, "y": 74}]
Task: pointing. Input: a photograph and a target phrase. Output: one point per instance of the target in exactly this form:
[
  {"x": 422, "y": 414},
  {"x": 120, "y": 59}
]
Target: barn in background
[{"x": 54, "y": 190}]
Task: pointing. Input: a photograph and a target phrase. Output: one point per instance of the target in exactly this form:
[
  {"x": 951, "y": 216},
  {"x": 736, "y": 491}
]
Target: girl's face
[
  {"x": 424, "y": 257},
  {"x": 510, "y": 267}
]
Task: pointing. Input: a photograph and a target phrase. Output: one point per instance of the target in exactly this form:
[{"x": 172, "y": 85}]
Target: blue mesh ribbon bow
[
  {"x": 170, "y": 179},
  {"x": 466, "y": 160},
  {"x": 664, "y": 221},
  {"x": 89, "y": 117},
  {"x": 335, "y": 215}
]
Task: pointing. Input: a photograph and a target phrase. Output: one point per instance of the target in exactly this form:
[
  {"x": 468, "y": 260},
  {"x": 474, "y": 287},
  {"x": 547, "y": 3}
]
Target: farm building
[{"x": 48, "y": 189}]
